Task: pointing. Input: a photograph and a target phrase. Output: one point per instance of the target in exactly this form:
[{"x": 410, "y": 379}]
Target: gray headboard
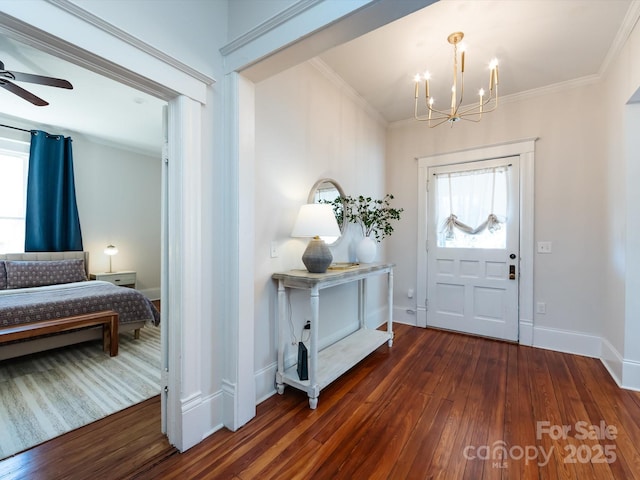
[{"x": 48, "y": 256}]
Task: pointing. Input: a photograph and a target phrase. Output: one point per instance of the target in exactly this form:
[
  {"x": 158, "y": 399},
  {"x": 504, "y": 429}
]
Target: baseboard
[
  {"x": 631, "y": 375},
  {"x": 566, "y": 341},
  {"x": 213, "y": 403},
  {"x": 201, "y": 416},
  {"x": 266, "y": 382},
  {"x": 525, "y": 333},
  {"x": 405, "y": 315},
  {"x": 626, "y": 373},
  {"x": 228, "y": 405},
  {"x": 612, "y": 361}
]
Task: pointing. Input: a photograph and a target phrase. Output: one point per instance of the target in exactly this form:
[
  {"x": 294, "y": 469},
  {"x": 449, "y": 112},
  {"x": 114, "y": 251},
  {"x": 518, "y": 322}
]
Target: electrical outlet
[
  {"x": 274, "y": 249},
  {"x": 541, "y": 308}
]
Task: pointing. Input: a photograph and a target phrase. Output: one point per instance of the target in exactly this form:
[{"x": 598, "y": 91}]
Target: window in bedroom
[{"x": 14, "y": 164}]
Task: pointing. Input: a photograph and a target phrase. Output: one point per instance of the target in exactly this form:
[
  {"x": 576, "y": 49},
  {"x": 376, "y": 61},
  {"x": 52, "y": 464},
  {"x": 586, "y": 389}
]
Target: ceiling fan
[{"x": 6, "y": 76}]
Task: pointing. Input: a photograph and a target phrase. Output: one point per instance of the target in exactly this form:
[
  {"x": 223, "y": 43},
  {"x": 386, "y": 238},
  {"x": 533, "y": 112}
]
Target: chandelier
[{"x": 457, "y": 111}]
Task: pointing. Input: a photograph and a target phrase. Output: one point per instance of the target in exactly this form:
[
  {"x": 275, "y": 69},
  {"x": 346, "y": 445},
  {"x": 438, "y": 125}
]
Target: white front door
[{"x": 473, "y": 247}]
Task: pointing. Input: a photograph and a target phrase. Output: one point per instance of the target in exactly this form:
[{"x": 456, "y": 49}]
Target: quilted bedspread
[{"x": 57, "y": 301}]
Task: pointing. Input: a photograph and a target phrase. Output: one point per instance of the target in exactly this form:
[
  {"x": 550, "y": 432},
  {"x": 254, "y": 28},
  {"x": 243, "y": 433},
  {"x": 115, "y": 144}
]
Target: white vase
[{"x": 366, "y": 250}]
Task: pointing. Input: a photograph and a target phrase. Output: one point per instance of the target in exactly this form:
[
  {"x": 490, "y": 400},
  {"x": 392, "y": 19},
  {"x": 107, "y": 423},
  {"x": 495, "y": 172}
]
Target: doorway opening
[{"x": 522, "y": 154}]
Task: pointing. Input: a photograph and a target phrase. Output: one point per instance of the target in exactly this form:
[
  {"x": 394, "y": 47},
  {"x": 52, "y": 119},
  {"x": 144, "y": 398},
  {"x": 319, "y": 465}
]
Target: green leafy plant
[{"x": 373, "y": 215}]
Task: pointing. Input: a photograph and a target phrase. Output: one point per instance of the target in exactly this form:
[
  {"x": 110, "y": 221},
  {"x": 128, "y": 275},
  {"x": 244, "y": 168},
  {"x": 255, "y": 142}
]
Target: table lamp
[
  {"x": 316, "y": 220},
  {"x": 111, "y": 250}
]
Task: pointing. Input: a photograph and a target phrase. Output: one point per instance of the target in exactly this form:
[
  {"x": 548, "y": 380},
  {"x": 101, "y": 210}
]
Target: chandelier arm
[
  {"x": 471, "y": 119},
  {"x": 422, "y": 118},
  {"x": 439, "y": 123},
  {"x": 439, "y": 112}
]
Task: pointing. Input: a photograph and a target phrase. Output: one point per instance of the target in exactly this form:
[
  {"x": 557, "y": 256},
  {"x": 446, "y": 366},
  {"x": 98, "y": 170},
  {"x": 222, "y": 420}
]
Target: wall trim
[
  {"x": 402, "y": 314},
  {"x": 525, "y": 334},
  {"x": 628, "y": 23},
  {"x": 265, "y": 382},
  {"x": 270, "y": 24},
  {"x": 566, "y": 341},
  {"x": 331, "y": 75},
  {"x": 101, "y": 24},
  {"x": 148, "y": 72},
  {"x": 612, "y": 361},
  {"x": 631, "y": 375}
]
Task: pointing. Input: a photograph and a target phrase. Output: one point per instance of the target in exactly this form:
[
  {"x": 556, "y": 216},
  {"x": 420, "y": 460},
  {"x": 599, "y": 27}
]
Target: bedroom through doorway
[{"x": 137, "y": 373}]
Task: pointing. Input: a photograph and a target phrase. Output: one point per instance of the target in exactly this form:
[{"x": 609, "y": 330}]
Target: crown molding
[
  {"x": 268, "y": 25},
  {"x": 628, "y": 23},
  {"x": 347, "y": 89},
  {"x": 129, "y": 39}
]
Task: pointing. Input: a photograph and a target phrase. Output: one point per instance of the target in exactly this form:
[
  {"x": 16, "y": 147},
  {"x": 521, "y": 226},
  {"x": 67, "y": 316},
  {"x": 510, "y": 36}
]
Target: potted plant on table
[{"x": 374, "y": 216}]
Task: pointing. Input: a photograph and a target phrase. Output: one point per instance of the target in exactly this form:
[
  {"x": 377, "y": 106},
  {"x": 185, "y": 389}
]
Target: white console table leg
[
  {"x": 314, "y": 299},
  {"x": 282, "y": 314},
  {"x": 390, "y": 306}
]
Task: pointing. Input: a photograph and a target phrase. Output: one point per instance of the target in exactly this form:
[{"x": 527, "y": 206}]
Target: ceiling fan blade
[
  {"x": 49, "y": 81},
  {"x": 21, "y": 92}
]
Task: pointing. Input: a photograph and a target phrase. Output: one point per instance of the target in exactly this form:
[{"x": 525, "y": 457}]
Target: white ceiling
[
  {"x": 539, "y": 43},
  {"x": 97, "y": 106}
]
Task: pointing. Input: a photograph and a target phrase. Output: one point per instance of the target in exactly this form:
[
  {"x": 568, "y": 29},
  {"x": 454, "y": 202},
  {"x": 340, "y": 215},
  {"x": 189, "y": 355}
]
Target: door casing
[{"x": 525, "y": 150}]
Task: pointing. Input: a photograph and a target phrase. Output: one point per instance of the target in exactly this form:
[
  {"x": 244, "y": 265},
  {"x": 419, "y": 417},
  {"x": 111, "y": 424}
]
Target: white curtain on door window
[{"x": 472, "y": 205}]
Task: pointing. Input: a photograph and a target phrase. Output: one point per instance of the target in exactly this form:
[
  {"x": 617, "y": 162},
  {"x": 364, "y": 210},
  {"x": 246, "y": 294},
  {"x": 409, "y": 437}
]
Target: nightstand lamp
[
  {"x": 316, "y": 220},
  {"x": 111, "y": 250}
]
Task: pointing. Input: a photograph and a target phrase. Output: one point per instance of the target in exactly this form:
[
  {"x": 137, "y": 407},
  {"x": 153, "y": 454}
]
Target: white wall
[
  {"x": 119, "y": 200},
  {"x": 307, "y": 127},
  {"x": 621, "y": 350},
  {"x": 118, "y": 195},
  {"x": 569, "y": 194}
]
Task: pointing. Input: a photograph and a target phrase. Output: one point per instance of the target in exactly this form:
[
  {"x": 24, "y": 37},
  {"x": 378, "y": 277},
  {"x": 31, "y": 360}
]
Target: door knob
[{"x": 512, "y": 272}]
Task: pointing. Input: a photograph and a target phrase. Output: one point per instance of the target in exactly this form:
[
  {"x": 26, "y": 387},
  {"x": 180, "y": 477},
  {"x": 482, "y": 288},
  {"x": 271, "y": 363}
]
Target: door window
[{"x": 472, "y": 208}]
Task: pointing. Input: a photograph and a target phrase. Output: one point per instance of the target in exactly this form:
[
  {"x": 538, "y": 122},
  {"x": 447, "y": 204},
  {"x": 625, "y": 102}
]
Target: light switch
[
  {"x": 274, "y": 249},
  {"x": 544, "y": 247}
]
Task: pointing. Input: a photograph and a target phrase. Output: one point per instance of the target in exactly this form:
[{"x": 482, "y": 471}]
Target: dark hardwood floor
[{"x": 436, "y": 405}]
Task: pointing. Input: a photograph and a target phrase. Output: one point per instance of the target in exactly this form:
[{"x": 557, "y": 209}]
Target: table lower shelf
[{"x": 336, "y": 359}]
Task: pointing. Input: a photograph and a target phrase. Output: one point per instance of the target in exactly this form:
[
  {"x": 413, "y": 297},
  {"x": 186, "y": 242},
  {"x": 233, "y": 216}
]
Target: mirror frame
[{"x": 311, "y": 199}]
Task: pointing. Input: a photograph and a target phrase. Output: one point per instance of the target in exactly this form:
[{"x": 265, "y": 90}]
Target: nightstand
[{"x": 122, "y": 279}]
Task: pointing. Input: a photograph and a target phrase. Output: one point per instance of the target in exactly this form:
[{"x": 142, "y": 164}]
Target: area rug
[{"x": 50, "y": 393}]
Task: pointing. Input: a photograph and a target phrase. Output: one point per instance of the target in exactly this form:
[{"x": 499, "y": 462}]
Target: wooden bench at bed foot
[{"x": 108, "y": 320}]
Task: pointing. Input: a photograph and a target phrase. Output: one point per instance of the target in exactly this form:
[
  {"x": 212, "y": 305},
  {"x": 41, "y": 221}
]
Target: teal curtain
[{"x": 52, "y": 222}]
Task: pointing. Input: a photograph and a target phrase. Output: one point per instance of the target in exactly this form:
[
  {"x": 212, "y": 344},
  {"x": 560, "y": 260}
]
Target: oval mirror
[{"x": 327, "y": 190}]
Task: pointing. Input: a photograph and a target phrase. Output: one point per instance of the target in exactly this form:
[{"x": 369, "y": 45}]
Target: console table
[{"x": 327, "y": 365}]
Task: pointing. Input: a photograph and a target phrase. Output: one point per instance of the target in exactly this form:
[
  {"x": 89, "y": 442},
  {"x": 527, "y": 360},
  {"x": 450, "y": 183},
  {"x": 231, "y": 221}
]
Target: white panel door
[{"x": 472, "y": 270}]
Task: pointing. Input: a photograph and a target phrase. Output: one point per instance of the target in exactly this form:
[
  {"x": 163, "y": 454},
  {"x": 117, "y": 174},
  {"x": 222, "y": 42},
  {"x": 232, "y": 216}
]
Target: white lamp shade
[
  {"x": 316, "y": 219},
  {"x": 111, "y": 250}
]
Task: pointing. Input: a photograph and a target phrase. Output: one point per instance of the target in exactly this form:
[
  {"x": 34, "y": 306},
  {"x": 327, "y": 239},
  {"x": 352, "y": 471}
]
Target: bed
[{"x": 48, "y": 285}]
